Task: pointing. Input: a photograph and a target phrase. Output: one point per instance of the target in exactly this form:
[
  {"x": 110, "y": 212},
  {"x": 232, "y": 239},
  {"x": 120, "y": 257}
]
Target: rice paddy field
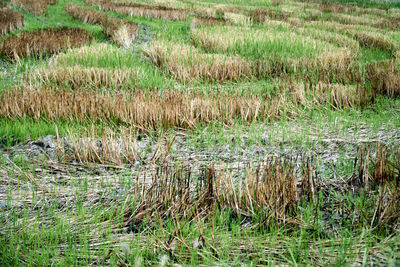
[{"x": 199, "y": 132}]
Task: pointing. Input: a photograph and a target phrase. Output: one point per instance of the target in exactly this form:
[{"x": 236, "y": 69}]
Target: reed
[{"x": 10, "y": 20}]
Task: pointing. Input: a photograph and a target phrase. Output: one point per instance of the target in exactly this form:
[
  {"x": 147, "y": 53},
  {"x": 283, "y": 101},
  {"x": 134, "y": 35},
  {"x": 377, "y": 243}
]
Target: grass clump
[
  {"x": 42, "y": 42},
  {"x": 78, "y": 78},
  {"x": 10, "y": 20},
  {"x": 37, "y": 7},
  {"x": 121, "y": 31},
  {"x": 187, "y": 63},
  {"x": 143, "y": 10}
]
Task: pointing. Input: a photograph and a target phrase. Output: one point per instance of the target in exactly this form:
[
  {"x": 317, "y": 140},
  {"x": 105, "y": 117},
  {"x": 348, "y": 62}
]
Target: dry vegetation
[
  {"x": 186, "y": 63},
  {"x": 10, "y": 20},
  {"x": 121, "y": 31},
  {"x": 385, "y": 77},
  {"x": 143, "y": 10},
  {"x": 42, "y": 42},
  {"x": 153, "y": 110},
  {"x": 79, "y": 78},
  {"x": 37, "y": 7}
]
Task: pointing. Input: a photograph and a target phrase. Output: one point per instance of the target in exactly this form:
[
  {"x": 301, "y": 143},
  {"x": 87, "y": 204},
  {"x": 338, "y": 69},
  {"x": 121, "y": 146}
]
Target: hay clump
[
  {"x": 186, "y": 63},
  {"x": 10, "y": 20},
  {"x": 121, "y": 31},
  {"x": 37, "y": 7},
  {"x": 42, "y": 42},
  {"x": 78, "y": 77}
]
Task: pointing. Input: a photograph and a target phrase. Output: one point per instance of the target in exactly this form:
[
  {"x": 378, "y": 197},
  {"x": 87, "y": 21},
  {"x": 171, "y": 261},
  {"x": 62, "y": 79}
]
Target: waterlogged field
[{"x": 203, "y": 132}]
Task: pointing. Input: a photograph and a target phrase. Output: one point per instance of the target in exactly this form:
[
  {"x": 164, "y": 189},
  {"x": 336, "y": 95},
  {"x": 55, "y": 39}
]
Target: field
[{"x": 202, "y": 132}]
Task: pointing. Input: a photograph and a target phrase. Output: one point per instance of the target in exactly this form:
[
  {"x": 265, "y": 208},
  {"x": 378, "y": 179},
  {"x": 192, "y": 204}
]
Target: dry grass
[
  {"x": 337, "y": 8},
  {"x": 186, "y": 63},
  {"x": 145, "y": 111},
  {"x": 366, "y": 36},
  {"x": 341, "y": 40},
  {"x": 42, "y": 42},
  {"x": 261, "y": 15},
  {"x": 86, "y": 148},
  {"x": 154, "y": 110},
  {"x": 273, "y": 59},
  {"x": 121, "y": 31},
  {"x": 78, "y": 77},
  {"x": 37, "y": 7},
  {"x": 199, "y": 22},
  {"x": 10, "y": 20},
  {"x": 237, "y": 19},
  {"x": 142, "y": 10},
  {"x": 385, "y": 77},
  {"x": 86, "y": 15}
]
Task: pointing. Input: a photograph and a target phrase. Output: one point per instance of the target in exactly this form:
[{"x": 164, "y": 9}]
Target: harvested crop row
[
  {"x": 10, "y": 20},
  {"x": 42, "y": 42},
  {"x": 143, "y": 10},
  {"x": 121, "y": 31},
  {"x": 366, "y": 36},
  {"x": 368, "y": 20},
  {"x": 187, "y": 63},
  {"x": 385, "y": 77},
  {"x": 78, "y": 77},
  {"x": 275, "y": 50},
  {"x": 37, "y": 7},
  {"x": 170, "y": 109}
]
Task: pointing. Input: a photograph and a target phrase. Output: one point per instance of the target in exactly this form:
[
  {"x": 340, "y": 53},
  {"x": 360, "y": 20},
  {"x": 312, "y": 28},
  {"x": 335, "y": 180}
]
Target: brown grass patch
[
  {"x": 261, "y": 15},
  {"x": 337, "y": 8},
  {"x": 78, "y": 77},
  {"x": 328, "y": 59},
  {"x": 143, "y": 10},
  {"x": 366, "y": 36},
  {"x": 143, "y": 110},
  {"x": 10, "y": 20},
  {"x": 121, "y": 31},
  {"x": 154, "y": 110},
  {"x": 198, "y": 22},
  {"x": 42, "y": 42},
  {"x": 385, "y": 77},
  {"x": 37, "y": 7},
  {"x": 86, "y": 15},
  {"x": 186, "y": 63}
]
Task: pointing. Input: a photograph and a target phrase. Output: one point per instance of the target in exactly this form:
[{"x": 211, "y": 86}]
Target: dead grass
[
  {"x": 10, "y": 20},
  {"x": 238, "y": 19},
  {"x": 385, "y": 77},
  {"x": 86, "y": 148},
  {"x": 369, "y": 36},
  {"x": 37, "y": 7},
  {"x": 153, "y": 110},
  {"x": 121, "y": 31},
  {"x": 199, "y": 22},
  {"x": 186, "y": 63},
  {"x": 145, "y": 111},
  {"x": 337, "y": 8},
  {"x": 78, "y": 77},
  {"x": 313, "y": 53},
  {"x": 143, "y": 10},
  {"x": 261, "y": 15},
  {"x": 86, "y": 15},
  {"x": 42, "y": 42}
]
